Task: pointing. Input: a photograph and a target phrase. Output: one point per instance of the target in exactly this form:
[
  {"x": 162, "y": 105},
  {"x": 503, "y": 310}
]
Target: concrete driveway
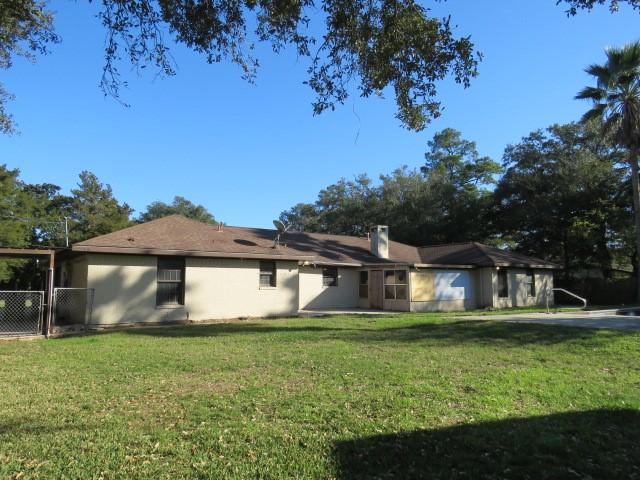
[{"x": 595, "y": 319}]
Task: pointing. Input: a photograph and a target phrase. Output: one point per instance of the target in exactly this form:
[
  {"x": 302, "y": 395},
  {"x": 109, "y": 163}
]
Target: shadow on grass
[
  {"x": 596, "y": 444},
  {"x": 450, "y": 332},
  {"x": 218, "y": 329},
  {"x": 30, "y": 426}
]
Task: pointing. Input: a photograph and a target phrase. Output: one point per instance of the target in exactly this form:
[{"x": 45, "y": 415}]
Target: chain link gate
[
  {"x": 21, "y": 312},
  {"x": 72, "y": 306}
]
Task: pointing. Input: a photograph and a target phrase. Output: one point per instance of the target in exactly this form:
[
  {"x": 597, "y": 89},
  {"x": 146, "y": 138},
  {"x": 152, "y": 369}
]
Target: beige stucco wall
[
  {"x": 518, "y": 295},
  {"x": 125, "y": 290},
  {"x": 78, "y": 271},
  {"x": 314, "y": 295},
  {"x": 229, "y": 288},
  {"x": 74, "y": 273},
  {"x": 443, "y": 305}
]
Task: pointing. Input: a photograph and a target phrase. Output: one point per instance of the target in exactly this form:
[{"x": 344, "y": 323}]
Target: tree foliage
[
  {"x": 179, "y": 206},
  {"x": 565, "y": 197},
  {"x": 438, "y": 203},
  {"x": 372, "y": 46},
  {"x": 26, "y": 28},
  {"x": 616, "y": 103},
  {"x": 94, "y": 209},
  {"x": 614, "y": 5},
  {"x": 33, "y": 215},
  {"x": 561, "y": 194},
  {"x": 12, "y": 205}
]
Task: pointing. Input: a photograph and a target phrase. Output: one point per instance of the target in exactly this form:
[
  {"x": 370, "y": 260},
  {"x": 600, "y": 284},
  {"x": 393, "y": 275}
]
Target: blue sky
[{"x": 247, "y": 152}]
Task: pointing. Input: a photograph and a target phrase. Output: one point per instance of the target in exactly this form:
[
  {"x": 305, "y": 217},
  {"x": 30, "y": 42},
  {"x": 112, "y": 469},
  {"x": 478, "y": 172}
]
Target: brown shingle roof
[
  {"x": 479, "y": 255},
  {"x": 178, "y": 235}
]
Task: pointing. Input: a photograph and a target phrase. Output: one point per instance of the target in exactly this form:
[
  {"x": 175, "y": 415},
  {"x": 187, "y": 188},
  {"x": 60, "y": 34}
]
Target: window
[
  {"x": 531, "y": 283},
  {"x": 267, "y": 274},
  {"x": 330, "y": 277},
  {"x": 503, "y": 283},
  {"x": 395, "y": 284},
  {"x": 170, "y": 288},
  {"x": 364, "y": 284}
]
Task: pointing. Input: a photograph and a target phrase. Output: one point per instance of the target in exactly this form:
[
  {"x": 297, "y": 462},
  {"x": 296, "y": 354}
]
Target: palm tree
[{"x": 616, "y": 101}]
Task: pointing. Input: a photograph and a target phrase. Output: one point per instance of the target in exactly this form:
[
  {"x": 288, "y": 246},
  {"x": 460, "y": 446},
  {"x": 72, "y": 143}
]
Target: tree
[
  {"x": 616, "y": 100},
  {"x": 458, "y": 177},
  {"x": 179, "y": 206},
  {"x": 563, "y": 197},
  {"x": 26, "y": 28},
  {"x": 347, "y": 207},
  {"x": 442, "y": 202},
  {"x": 95, "y": 211},
  {"x": 46, "y": 208},
  {"x": 458, "y": 161},
  {"x": 302, "y": 217},
  {"x": 14, "y": 232},
  {"x": 614, "y": 5},
  {"x": 371, "y": 45},
  {"x": 375, "y": 45}
]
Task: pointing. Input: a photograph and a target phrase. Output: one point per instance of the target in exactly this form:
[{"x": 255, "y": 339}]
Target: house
[{"x": 175, "y": 268}]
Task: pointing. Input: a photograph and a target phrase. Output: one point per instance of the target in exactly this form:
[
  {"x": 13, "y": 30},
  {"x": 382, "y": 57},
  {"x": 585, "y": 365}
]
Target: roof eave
[
  {"x": 443, "y": 265},
  {"x": 186, "y": 253},
  {"x": 329, "y": 263},
  {"x": 387, "y": 264},
  {"x": 528, "y": 265}
]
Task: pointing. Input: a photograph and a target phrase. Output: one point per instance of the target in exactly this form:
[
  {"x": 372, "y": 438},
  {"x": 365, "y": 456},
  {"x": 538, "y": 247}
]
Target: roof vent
[{"x": 380, "y": 241}]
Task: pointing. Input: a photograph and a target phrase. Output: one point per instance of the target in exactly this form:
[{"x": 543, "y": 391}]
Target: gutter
[
  {"x": 308, "y": 263},
  {"x": 443, "y": 265},
  {"x": 187, "y": 253},
  {"x": 523, "y": 265}
]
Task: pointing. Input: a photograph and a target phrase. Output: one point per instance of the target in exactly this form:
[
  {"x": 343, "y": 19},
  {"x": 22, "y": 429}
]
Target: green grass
[{"x": 407, "y": 396}]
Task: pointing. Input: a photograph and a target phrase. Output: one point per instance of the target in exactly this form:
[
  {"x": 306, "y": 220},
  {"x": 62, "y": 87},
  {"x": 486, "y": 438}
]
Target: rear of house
[{"x": 175, "y": 269}]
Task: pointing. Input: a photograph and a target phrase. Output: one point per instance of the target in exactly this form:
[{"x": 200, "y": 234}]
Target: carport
[{"x": 27, "y": 312}]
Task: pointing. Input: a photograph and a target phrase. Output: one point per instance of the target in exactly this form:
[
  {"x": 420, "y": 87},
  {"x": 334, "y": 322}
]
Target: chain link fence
[
  {"x": 21, "y": 312},
  {"x": 72, "y": 306}
]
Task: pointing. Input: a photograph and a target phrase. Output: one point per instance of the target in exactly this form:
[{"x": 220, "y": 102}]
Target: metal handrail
[{"x": 571, "y": 294}]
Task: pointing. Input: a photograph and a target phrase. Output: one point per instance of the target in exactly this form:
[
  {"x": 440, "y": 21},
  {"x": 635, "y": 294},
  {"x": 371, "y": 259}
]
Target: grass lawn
[{"x": 408, "y": 396}]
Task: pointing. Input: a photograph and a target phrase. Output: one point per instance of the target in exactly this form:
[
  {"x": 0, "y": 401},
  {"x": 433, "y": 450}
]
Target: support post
[{"x": 50, "y": 280}]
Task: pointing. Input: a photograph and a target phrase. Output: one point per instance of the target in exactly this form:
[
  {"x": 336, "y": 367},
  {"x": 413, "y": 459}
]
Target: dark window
[
  {"x": 330, "y": 277},
  {"x": 531, "y": 283},
  {"x": 170, "y": 290},
  {"x": 395, "y": 284},
  {"x": 267, "y": 274},
  {"x": 364, "y": 284},
  {"x": 503, "y": 283}
]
